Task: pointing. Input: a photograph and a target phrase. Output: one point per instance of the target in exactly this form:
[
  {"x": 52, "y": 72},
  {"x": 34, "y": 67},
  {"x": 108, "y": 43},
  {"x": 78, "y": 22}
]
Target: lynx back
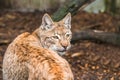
[{"x": 35, "y": 56}]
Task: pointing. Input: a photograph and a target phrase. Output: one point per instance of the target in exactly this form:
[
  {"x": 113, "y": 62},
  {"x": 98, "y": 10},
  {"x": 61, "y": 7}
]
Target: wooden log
[{"x": 106, "y": 37}]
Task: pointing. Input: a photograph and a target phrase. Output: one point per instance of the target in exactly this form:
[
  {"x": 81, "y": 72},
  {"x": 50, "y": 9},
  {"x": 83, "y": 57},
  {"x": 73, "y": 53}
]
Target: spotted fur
[{"x": 35, "y": 56}]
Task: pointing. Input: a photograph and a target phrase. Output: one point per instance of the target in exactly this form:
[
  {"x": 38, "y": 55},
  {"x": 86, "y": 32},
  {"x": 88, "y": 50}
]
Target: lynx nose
[
  {"x": 64, "y": 44},
  {"x": 65, "y": 47}
]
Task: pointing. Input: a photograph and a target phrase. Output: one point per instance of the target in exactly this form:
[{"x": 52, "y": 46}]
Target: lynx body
[{"x": 36, "y": 56}]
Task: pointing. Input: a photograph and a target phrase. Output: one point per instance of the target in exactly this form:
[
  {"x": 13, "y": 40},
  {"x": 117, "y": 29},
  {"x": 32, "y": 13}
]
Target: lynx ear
[
  {"x": 46, "y": 22},
  {"x": 67, "y": 20}
]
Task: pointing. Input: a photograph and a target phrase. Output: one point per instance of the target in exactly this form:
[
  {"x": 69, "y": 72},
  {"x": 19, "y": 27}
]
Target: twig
[{"x": 4, "y": 42}]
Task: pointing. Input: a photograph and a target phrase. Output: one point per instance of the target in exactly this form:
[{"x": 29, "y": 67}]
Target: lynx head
[{"x": 56, "y": 35}]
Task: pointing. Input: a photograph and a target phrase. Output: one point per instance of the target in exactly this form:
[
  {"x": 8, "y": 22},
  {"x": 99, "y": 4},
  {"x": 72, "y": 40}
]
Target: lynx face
[{"x": 56, "y": 35}]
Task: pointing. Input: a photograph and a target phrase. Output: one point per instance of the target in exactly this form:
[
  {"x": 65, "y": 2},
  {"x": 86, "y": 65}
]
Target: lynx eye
[
  {"x": 56, "y": 37},
  {"x": 68, "y": 35}
]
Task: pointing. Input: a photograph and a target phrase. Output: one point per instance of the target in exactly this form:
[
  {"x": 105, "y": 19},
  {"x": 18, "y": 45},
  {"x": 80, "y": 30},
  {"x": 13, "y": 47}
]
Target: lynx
[{"x": 36, "y": 56}]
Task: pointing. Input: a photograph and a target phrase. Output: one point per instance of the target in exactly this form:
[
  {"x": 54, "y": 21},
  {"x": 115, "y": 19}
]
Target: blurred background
[
  {"x": 95, "y": 51},
  {"x": 47, "y": 5}
]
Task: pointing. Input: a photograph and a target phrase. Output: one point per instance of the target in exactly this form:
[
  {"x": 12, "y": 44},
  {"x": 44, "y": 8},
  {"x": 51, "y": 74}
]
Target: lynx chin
[{"x": 36, "y": 56}]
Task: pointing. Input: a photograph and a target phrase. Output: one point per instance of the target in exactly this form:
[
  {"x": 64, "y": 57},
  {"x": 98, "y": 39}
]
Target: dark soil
[{"x": 88, "y": 60}]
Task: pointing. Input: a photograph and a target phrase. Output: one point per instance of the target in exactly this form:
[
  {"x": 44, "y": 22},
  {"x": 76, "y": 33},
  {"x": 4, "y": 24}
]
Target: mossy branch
[{"x": 72, "y": 6}]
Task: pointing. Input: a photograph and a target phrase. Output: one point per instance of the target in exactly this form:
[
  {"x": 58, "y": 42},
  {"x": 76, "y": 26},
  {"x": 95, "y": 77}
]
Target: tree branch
[{"x": 72, "y": 6}]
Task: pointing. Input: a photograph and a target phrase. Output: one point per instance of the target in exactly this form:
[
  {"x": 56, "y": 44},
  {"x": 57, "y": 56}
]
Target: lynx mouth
[
  {"x": 61, "y": 50},
  {"x": 61, "y": 53}
]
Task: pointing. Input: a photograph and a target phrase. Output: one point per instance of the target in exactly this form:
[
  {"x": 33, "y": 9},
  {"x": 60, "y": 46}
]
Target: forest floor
[{"x": 88, "y": 60}]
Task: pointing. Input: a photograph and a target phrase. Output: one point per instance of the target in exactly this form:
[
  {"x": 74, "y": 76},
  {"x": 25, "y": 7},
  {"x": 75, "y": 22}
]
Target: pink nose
[{"x": 64, "y": 44}]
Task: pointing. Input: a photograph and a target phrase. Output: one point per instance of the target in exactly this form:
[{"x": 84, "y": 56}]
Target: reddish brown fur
[{"x": 26, "y": 59}]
